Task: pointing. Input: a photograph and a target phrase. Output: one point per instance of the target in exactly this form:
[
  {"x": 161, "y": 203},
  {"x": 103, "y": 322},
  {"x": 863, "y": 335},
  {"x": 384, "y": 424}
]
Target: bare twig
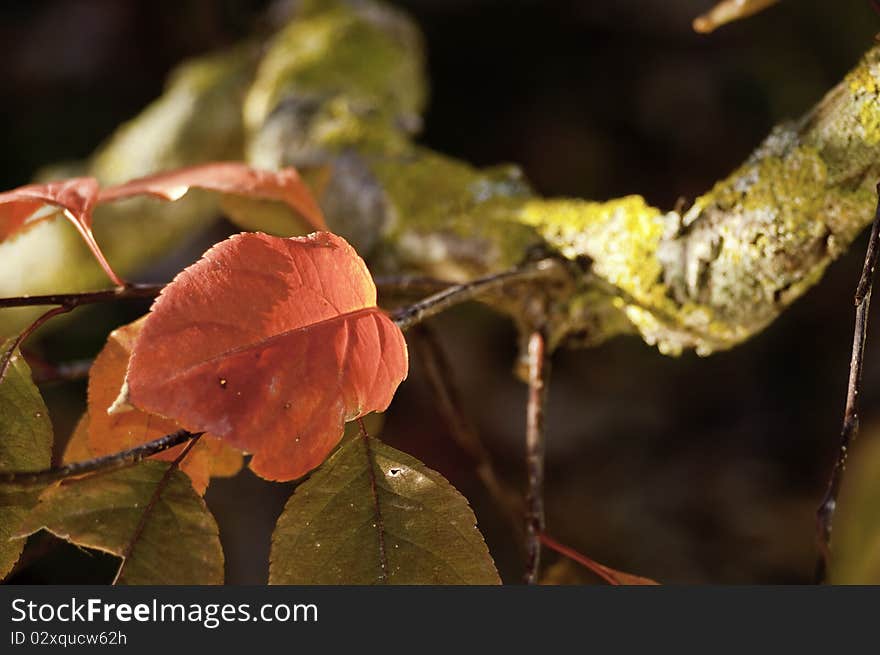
[
  {"x": 440, "y": 377},
  {"x": 727, "y": 11},
  {"x": 66, "y": 302},
  {"x": 103, "y": 464},
  {"x": 72, "y": 300},
  {"x": 850, "y": 429},
  {"x": 609, "y": 575},
  {"x": 154, "y": 499},
  {"x": 406, "y": 317},
  {"x": 410, "y": 315},
  {"x": 538, "y": 373},
  {"x": 409, "y": 285},
  {"x": 583, "y": 560},
  {"x": 6, "y": 357}
]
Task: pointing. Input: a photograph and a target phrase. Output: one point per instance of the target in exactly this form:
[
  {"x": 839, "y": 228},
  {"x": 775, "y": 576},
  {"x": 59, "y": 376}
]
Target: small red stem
[{"x": 583, "y": 560}]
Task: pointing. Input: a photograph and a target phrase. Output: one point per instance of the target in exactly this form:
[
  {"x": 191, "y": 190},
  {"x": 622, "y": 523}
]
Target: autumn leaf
[
  {"x": 272, "y": 345},
  {"x": 25, "y": 445},
  {"x": 76, "y": 198},
  {"x": 374, "y": 515},
  {"x": 728, "y": 11},
  {"x": 77, "y": 448},
  {"x": 110, "y": 433},
  {"x": 179, "y": 543},
  {"x": 19, "y": 207},
  {"x": 226, "y": 177}
]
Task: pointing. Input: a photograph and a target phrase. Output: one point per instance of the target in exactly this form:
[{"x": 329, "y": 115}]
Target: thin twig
[
  {"x": 379, "y": 524},
  {"x": 538, "y": 373},
  {"x": 6, "y": 357},
  {"x": 64, "y": 303},
  {"x": 409, "y": 285},
  {"x": 583, "y": 560},
  {"x": 609, "y": 575},
  {"x": 86, "y": 297},
  {"x": 440, "y": 378},
  {"x": 103, "y": 464},
  {"x": 154, "y": 499},
  {"x": 406, "y": 317},
  {"x": 850, "y": 429}
]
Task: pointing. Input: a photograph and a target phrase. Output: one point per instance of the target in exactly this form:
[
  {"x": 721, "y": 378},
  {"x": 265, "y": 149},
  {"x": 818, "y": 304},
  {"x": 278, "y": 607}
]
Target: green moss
[
  {"x": 365, "y": 73},
  {"x": 450, "y": 218}
]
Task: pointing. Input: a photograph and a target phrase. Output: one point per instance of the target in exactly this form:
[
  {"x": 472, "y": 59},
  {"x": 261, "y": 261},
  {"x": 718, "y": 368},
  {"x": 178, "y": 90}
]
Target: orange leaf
[
  {"x": 77, "y": 448},
  {"x": 611, "y": 576},
  {"x": 75, "y": 197},
  {"x": 226, "y": 177},
  {"x": 271, "y": 344},
  {"x": 111, "y": 433}
]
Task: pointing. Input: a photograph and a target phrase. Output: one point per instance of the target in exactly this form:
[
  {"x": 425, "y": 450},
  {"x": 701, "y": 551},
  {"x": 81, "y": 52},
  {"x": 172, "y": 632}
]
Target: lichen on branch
[{"x": 338, "y": 91}]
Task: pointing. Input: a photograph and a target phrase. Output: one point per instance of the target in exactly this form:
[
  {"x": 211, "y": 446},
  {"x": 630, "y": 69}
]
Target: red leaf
[
  {"x": 75, "y": 197},
  {"x": 270, "y": 344},
  {"x": 226, "y": 177},
  {"x": 109, "y": 433}
]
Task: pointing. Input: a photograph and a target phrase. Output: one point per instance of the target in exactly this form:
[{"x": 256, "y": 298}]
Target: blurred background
[{"x": 685, "y": 470}]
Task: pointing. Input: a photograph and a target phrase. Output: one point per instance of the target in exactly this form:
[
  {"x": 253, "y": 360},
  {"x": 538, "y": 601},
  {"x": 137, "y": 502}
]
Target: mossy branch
[{"x": 345, "y": 111}]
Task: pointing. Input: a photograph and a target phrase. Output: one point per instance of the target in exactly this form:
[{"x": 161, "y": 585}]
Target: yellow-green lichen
[
  {"x": 450, "y": 218},
  {"x": 620, "y": 236},
  {"x": 865, "y": 87},
  {"x": 366, "y": 64}
]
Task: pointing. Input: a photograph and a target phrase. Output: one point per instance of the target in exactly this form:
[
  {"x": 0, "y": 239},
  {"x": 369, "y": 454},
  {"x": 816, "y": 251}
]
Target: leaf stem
[
  {"x": 154, "y": 499},
  {"x": 6, "y": 359},
  {"x": 410, "y": 315},
  {"x": 539, "y": 366},
  {"x": 103, "y": 464},
  {"x": 583, "y": 560},
  {"x": 850, "y": 429}
]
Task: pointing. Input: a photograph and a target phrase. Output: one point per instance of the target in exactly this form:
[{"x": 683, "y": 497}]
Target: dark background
[{"x": 681, "y": 469}]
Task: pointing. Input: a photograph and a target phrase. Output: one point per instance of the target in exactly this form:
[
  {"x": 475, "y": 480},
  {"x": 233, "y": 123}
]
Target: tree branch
[
  {"x": 850, "y": 429},
  {"x": 71, "y": 300},
  {"x": 728, "y": 11},
  {"x": 539, "y": 366},
  {"x": 66, "y": 302},
  {"x": 410, "y": 315},
  {"x": 99, "y": 464},
  {"x": 409, "y": 285}
]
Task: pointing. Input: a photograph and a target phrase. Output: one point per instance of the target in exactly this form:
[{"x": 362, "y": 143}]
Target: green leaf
[
  {"x": 374, "y": 515},
  {"x": 179, "y": 543},
  {"x": 855, "y": 554},
  {"x": 25, "y": 445}
]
